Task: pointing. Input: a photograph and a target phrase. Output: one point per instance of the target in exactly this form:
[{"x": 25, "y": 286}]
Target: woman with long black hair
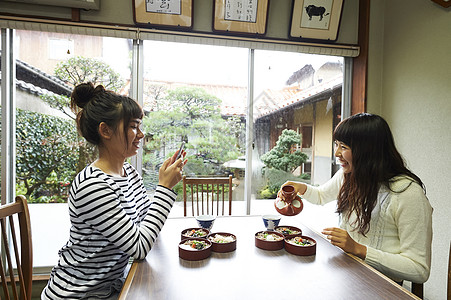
[{"x": 385, "y": 216}]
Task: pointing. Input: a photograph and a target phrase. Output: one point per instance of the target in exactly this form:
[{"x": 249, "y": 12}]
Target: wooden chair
[
  {"x": 10, "y": 260},
  {"x": 417, "y": 289},
  {"x": 207, "y": 195}
]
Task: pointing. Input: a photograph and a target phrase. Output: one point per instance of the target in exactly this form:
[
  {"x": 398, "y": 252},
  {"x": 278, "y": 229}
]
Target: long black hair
[{"x": 375, "y": 162}]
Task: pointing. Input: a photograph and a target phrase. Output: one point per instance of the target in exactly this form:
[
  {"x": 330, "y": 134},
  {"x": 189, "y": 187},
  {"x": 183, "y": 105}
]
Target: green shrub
[
  {"x": 281, "y": 157},
  {"x": 267, "y": 193},
  {"x": 305, "y": 176},
  {"x": 47, "y": 156}
]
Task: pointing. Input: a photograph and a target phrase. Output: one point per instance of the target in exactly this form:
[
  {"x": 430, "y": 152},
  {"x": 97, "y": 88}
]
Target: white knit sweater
[{"x": 400, "y": 235}]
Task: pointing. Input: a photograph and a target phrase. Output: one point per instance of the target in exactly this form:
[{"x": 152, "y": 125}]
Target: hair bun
[{"x": 84, "y": 92}]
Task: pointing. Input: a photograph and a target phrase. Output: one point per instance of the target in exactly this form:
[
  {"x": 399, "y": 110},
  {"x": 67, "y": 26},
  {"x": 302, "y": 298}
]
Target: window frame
[{"x": 8, "y": 100}]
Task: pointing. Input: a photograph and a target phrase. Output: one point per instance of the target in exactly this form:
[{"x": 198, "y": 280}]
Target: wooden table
[{"x": 253, "y": 273}]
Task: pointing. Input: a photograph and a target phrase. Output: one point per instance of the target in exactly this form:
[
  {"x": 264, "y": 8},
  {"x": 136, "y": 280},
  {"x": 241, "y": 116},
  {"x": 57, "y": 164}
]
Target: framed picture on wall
[
  {"x": 240, "y": 16},
  {"x": 316, "y": 19},
  {"x": 444, "y": 3},
  {"x": 163, "y": 13}
]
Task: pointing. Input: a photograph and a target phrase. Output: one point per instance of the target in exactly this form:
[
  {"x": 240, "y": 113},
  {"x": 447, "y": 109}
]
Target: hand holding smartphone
[{"x": 182, "y": 146}]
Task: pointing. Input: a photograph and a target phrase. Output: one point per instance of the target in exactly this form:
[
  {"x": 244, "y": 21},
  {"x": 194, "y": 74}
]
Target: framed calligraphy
[
  {"x": 240, "y": 16},
  {"x": 163, "y": 13},
  {"x": 316, "y": 19}
]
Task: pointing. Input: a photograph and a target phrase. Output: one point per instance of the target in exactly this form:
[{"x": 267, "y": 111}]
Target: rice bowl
[
  {"x": 222, "y": 242},
  {"x": 269, "y": 240},
  {"x": 194, "y": 249}
]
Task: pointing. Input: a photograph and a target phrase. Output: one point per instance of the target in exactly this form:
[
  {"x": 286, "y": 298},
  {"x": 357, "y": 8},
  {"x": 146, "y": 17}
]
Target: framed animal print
[
  {"x": 163, "y": 13},
  {"x": 240, "y": 16},
  {"x": 316, "y": 19}
]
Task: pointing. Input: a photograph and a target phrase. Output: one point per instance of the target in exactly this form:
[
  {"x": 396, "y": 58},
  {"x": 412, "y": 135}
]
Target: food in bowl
[
  {"x": 222, "y": 242},
  {"x": 300, "y": 245},
  {"x": 194, "y": 249},
  {"x": 269, "y": 240},
  {"x": 268, "y": 236},
  {"x": 288, "y": 230},
  {"x": 218, "y": 238},
  {"x": 298, "y": 240},
  {"x": 194, "y": 245},
  {"x": 195, "y": 233}
]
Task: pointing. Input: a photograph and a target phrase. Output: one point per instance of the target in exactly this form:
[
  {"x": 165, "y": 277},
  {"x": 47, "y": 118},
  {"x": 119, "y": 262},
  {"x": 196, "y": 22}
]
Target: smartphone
[{"x": 182, "y": 146}]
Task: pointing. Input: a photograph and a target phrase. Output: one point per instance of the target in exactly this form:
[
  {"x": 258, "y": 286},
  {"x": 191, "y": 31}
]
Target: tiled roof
[
  {"x": 269, "y": 100},
  {"x": 32, "y": 89},
  {"x": 35, "y": 81},
  {"x": 41, "y": 73},
  {"x": 265, "y": 106},
  {"x": 234, "y": 98}
]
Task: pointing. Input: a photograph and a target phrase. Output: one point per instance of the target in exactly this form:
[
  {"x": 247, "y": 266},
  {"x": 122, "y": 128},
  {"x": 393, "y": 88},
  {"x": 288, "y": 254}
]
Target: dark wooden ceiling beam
[{"x": 360, "y": 63}]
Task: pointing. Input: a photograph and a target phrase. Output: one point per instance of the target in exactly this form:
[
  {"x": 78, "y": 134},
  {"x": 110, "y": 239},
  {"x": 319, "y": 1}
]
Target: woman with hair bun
[
  {"x": 385, "y": 217},
  {"x": 111, "y": 215}
]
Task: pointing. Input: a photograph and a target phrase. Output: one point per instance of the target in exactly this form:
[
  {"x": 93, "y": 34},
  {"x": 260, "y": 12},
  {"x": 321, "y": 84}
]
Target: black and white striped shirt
[{"x": 112, "y": 219}]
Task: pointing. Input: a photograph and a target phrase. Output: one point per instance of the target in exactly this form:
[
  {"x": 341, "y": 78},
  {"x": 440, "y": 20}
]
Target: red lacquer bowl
[
  {"x": 273, "y": 242},
  {"x": 298, "y": 249},
  {"x": 189, "y": 252},
  {"x": 222, "y": 242}
]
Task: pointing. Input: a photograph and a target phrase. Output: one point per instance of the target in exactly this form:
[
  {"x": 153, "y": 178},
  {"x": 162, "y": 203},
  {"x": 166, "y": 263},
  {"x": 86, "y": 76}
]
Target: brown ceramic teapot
[{"x": 288, "y": 202}]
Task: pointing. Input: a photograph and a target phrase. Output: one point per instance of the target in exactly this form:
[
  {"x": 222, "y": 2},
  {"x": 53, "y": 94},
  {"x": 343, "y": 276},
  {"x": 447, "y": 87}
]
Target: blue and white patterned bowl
[
  {"x": 271, "y": 221},
  {"x": 205, "y": 221}
]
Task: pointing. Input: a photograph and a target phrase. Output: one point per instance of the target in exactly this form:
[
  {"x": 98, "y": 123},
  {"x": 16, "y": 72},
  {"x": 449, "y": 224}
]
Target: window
[
  {"x": 296, "y": 95},
  {"x": 178, "y": 76},
  {"x": 192, "y": 93},
  {"x": 196, "y": 94},
  {"x": 49, "y": 152}
]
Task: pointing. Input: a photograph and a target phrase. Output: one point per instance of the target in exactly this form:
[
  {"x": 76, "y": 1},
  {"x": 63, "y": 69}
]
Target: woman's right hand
[
  {"x": 170, "y": 172},
  {"x": 299, "y": 187}
]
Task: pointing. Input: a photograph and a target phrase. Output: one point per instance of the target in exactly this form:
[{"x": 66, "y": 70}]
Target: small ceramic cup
[
  {"x": 205, "y": 221},
  {"x": 271, "y": 221}
]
